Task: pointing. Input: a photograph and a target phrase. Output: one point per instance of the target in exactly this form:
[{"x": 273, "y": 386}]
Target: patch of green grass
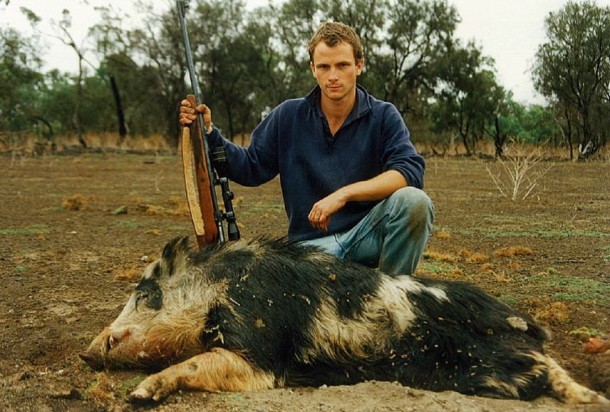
[
  {"x": 552, "y": 285},
  {"x": 542, "y": 233},
  {"x": 436, "y": 267},
  {"x": 259, "y": 209},
  {"x": 586, "y": 331},
  {"x": 510, "y": 300},
  {"x": 32, "y": 230},
  {"x": 129, "y": 385},
  {"x": 229, "y": 396},
  {"x": 233, "y": 401},
  {"x": 11, "y": 394},
  {"x": 21, "y": 268},
  {"x": 569, "y": 288},
  {"x": 551, "y": 271},
  {"x": 178, "y": 229},
  {"x": 129, "y": 224}
]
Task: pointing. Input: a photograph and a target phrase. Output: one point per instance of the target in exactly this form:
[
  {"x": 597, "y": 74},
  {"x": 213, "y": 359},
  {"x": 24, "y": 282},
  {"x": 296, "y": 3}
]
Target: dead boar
[{"x": 268, "y": 313}]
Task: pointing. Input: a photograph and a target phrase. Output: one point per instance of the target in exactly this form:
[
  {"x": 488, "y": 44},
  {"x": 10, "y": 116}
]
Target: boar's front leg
[{"x": 216, "y": 370}]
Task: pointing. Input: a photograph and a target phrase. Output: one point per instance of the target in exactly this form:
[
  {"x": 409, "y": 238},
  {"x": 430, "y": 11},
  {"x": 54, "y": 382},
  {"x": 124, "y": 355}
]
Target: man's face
[{"x": 336, "y": 70}]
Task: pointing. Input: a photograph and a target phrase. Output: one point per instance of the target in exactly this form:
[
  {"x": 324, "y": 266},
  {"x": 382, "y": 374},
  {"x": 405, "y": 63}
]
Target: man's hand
[
  {"x": 188, "y": 114},
  {"x": 320, "y": 214},
  {"x": 377, "y": 188}
]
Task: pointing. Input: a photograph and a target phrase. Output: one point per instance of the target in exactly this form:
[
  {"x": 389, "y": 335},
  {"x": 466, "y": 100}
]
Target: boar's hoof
[
  {"x": 140, "y": 395},
  {"x": 154, "y": 388}
]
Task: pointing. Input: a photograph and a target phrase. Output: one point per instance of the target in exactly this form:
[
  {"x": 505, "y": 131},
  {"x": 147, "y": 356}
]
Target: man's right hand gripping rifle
[
  {"x": 188, "y": 118},
  {"x": 188, "y": 115}
]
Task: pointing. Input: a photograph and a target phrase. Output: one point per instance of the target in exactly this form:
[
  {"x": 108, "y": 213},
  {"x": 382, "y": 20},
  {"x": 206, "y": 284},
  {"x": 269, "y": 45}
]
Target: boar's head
[{"x": 164, "y": 318}]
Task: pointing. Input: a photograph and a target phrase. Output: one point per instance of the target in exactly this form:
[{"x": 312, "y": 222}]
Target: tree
[
  {"x": 419, "y": 34},
  {"x": 143, "y": 102},
  {"x": 290, "y": 25},
  {"x": 66, "y": 37},
  {"x": 112, "y": 39},
  {"x": 230, "y": 57},
  {"x": 56, "y": 100},
  {"x": 573, "y": 69},
  {"x": 468, "y": 99},
  {"x": 249, "y": 61},
  {"x": 402, "y": 40},
  {"x": 20, "y": 80},
  {"x": 503, "y": 127},
  {"x": 62, "y": 33},
  {"x": 538, "y": 125}
]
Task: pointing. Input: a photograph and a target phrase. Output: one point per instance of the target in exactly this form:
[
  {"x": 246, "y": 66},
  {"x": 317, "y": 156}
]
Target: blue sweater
[{"x": 294, "y": 140}]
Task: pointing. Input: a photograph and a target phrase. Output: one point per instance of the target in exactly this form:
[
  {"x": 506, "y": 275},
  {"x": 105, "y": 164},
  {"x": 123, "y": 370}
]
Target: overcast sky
[{"x": 509, "y": 31}]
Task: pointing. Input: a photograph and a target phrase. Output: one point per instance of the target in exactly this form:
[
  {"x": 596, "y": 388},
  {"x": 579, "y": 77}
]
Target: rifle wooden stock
[
  {"x": 200, "y": 178},
  {"x": 197, "y": 182}
]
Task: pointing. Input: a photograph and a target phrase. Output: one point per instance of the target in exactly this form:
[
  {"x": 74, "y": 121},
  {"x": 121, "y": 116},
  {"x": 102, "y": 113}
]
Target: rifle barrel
[{"x": 182, "y": 6}]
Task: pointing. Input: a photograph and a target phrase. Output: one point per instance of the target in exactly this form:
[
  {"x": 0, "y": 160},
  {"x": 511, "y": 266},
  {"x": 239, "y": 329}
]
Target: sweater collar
[{"x": 362, "y": 106}]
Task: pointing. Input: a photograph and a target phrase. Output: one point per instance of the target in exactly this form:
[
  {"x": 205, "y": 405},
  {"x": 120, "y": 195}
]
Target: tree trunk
[
  {"x": 568, "y": 134},
  {"x": 464, "y": 137},
  {"x": 498, "y": 139},
  {"x": 588, "y": 146},
  {"x": 49, "y": 134},
  {"x": 120, "y": 113},
  {"x": 230, "y": 119}
]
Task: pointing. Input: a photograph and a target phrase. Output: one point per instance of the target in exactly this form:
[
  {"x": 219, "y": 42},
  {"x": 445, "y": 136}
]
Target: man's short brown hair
[{"x": 333, "y": 33}]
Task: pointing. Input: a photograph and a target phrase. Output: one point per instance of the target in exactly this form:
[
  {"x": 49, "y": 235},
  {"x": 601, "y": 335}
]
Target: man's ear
[
  {"x": 359, "y": 66},
  {"x": 313, "y": 68}
]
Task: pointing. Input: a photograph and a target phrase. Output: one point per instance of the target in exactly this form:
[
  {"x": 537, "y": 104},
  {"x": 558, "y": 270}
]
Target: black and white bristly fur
[{"x": 269, "y": 313}]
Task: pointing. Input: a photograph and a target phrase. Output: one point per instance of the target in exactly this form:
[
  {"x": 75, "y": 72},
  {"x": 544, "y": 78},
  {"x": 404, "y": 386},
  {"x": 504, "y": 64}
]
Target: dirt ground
[{"x": 75, "y": 231}]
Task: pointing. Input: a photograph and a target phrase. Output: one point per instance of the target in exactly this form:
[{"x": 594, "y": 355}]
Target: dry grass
[
  {"x": 468, "y": 256},
  {"x": 554, "y": 314},
  {"x": 154, "y": 232},
  {"x": 175, "y": 207},
  {"x": 180, "y": 206},
  {"x": 75, "y": 202},
  {"x": 20, "y": 144},
  {"x": 513, "y": 251},
  {"x": 473, "y": 257},
  {"x": 102, "y": 391},
  {"x": 440, "y": 256},
  {"x": 442, "y": 235},
  {"x": 502, "y": 278},
  {"x": 129, "y": 274}
]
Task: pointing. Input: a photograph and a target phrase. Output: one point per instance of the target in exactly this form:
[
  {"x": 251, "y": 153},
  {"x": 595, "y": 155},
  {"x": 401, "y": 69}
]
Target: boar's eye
[
  {"x": 149, "y": 293},
  {"x": 140, "y": 299}
]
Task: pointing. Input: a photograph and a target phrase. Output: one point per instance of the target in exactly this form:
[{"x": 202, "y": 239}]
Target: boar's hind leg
[
  {"x": 217, "y": 370},
  {"x": 567, "y": 389}
]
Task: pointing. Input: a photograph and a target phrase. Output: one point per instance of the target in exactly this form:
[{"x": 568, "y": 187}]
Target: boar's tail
[{"x": 567, "y": 389}]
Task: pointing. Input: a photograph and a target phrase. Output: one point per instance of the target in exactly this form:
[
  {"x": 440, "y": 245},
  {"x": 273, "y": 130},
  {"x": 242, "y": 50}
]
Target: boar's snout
[
  {"x": 94, "y": 362},
  {"x": 95, "y": 353}
]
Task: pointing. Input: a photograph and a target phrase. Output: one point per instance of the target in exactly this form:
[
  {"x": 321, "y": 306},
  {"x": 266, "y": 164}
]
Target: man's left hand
[{"x": 320, "y": 213}]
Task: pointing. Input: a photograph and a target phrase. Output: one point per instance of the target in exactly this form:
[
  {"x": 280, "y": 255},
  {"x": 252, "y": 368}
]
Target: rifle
[{"x": 200, "y": 167}]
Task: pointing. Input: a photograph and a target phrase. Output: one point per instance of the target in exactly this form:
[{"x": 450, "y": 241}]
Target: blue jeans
[{"x": 392, "y": 236}]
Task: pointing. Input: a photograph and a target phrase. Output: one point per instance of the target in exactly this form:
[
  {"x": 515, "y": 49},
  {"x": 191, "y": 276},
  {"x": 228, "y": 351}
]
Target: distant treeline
[{"x": 248, "y": 61}]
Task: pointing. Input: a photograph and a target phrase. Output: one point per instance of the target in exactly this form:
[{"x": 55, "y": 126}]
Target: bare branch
[{"x": 517, "y": 175}]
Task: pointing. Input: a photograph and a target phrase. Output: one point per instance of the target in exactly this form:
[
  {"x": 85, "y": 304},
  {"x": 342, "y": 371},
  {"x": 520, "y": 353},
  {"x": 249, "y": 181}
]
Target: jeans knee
[{"x": 413, "y": 202}]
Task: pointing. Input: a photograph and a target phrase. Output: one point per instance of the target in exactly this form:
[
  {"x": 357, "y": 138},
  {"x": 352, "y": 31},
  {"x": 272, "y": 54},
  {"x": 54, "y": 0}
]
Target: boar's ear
[
  {"x": 175, "y": 254},
  {"x": 174, "y": 245}
]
